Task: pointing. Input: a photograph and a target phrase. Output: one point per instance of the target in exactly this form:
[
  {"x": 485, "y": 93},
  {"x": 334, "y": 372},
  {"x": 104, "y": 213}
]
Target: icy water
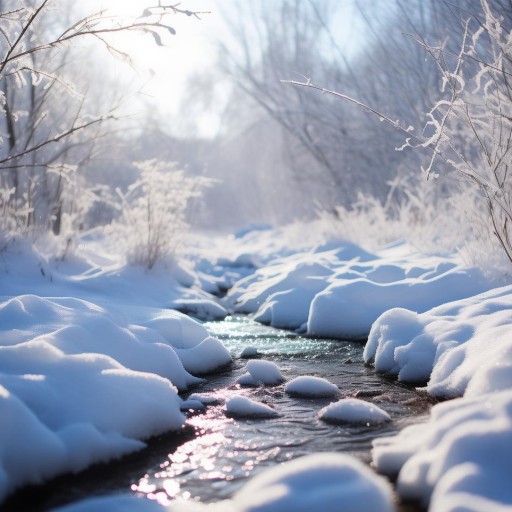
[{"x": 216, "y": 455}]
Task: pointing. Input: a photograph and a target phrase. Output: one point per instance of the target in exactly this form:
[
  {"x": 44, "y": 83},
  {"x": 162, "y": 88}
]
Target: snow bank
[
  {"x": 261, "y": 373},
  {"x": 338, "y": 290},
  {"x": 460, "y": 347},
  {"x": 329, "y": 482},
  {"x": 460, "y": 460},
  {"x": 77, "y": 386},
  {"x": 243, "y": 407},
  {"x": 311, "y": 387},
  {"x": 199, "y": 353},
  {"x": 352, "y": 410},
  {"x": 348, "y": 308}
]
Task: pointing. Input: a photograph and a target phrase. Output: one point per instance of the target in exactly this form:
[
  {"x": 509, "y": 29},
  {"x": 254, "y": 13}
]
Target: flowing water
[{"x": 216, "y": 455}]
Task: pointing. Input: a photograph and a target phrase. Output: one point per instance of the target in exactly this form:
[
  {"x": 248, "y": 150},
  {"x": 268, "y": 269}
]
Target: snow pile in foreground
[
  {"x": 460, "y": 460},
  {"x": 329, "y": 482},
  {"x": 352, "y": 410},
  {"x": 338, "y": 290},
  {"x": 311, "y": 387},
  {"x": 460, "y": 347},
  {"x": 243, "y": 407},
  {"x": 79, "y": 384}
]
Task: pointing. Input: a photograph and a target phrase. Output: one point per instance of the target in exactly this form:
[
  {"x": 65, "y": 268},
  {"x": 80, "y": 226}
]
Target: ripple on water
[{"x": 226, "y": 452}]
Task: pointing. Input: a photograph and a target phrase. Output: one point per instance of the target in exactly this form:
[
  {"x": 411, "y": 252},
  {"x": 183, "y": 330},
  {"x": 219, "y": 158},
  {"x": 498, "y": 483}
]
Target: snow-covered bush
[
  {"x": 470, "y": 126},
  {"x": 153, "y": 212},
  {"x": 51, "y": 124}
]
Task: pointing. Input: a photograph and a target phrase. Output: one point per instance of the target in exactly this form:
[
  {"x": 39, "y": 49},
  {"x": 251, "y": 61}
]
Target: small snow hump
[
  {"x": 311, "y": 387},
  {"x": 353, "y": 411},
  {"x": 243, "y": 407},
  {"x": 261, "y": 373}
]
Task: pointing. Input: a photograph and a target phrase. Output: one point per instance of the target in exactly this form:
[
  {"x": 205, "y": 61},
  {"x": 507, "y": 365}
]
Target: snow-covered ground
[{"x": 92, "y": 358}]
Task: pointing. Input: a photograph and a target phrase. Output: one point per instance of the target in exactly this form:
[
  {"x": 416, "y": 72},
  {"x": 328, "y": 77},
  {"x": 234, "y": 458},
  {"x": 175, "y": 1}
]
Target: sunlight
[{"x": 164, "y": 70}]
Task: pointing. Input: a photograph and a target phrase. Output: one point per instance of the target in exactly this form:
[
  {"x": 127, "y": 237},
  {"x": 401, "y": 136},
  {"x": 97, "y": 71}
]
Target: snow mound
[
  {"x": 206, "y": 399},
  {"x": 243, "y": 407},
  {"x": 329, "y": 482},
  {"x": 208, "y": 356},
  {"x": 352, "y": 410},
  {"x": 460, "y": 347},
  {"x": 84, "y": 390},
  {"x": 311, "y": 387},
  {"x": 261, "y": 373},
  {"x": 249, "y": 352},
  {"x": 460, "y": 460},
  {"x": 199, "y": 353},
  {"x": 203, "y": 309},
  {"x": 338, "y": 290},
  {"x": 348, "y": 308}
]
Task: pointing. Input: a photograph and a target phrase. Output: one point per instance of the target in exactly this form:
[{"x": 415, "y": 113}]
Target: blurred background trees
[{"x": 278, "y": 153}]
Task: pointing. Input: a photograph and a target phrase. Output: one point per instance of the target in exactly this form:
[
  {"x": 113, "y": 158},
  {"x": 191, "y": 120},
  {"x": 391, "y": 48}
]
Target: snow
[
  {"x": 90, "y": 360},
  {"x": 355, "y": 411},
  {"x": 311, "y": 387},
  {"x": 243, "y": 407},
  {"x": 338, "y": 290},
  {"x": 460, "y": 460},
  {"x": 459, "y": 347},
  {"x": 249, "y": 352},
  {"x": 329, "y": 482},
  {"x": 261, "y": 373}
]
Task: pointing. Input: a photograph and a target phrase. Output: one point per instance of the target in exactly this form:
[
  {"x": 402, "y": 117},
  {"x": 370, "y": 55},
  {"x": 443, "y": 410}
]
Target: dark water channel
[{"x": 216, "y": 455}]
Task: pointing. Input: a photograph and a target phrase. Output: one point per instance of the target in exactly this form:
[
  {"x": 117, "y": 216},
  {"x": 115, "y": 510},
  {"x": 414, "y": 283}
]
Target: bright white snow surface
[
  {"x": 352, "y": 410},
  {"x": 311, "y": 387},
  {"x": 243, "y": 407},
  {"x": 460, "y": 460},
  {"x": 460, "y": 347},
  {"x": 338, "y": 290},
  {"x": 327, "y": 482},
  {"x": 90, "y": 361},
  {"x": 261, "y": 373}
]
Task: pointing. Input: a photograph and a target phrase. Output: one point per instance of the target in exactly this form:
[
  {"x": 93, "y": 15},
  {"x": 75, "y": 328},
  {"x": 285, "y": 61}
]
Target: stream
[{"x": 216, "y": 455}]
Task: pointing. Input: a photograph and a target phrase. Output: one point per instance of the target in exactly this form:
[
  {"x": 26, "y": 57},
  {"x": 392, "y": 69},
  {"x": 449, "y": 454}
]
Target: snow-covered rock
[
  {"x": 311, "y": 387},
  {"x": 354, "y": 411},
  {"x": 261, "y": 373},
  {"x": 243, "y": 407}
]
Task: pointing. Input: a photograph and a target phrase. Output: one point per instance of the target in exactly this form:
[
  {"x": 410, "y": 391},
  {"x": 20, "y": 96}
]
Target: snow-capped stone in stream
[
  {"x": 194, "y": 405},
  {"x": 311, "y": 387},
  {"x": 249, "y": 352},
  {"x": 328, "y": 482},
  {"x": 353, "y": 411},
  {"x": 206, "y": 399},
  {"x": 460, "y": 460},
  {"x": 261, "y": 373},
  {"x": 243, "y": 407}
]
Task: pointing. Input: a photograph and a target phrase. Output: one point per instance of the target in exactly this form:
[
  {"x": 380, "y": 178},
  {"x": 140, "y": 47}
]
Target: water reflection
[{"x": 226, "y": 452}]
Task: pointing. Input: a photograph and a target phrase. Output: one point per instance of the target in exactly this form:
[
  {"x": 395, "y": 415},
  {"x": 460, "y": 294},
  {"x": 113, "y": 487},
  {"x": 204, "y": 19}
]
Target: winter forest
[{"x": 256, "y": 255}]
